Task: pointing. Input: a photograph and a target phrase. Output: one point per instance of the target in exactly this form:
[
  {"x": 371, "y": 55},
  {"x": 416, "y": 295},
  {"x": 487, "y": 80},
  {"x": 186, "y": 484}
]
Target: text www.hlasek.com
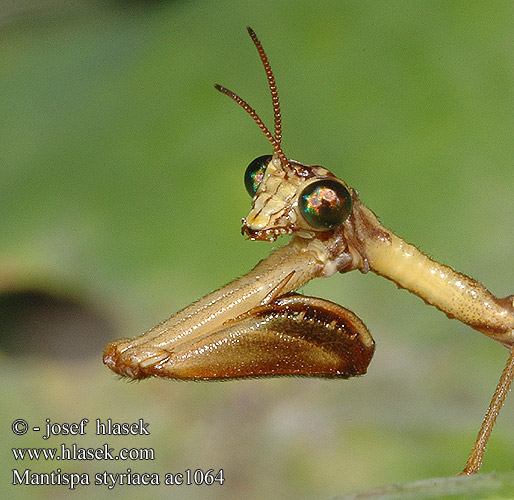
[{"x": 75, "y": 452}]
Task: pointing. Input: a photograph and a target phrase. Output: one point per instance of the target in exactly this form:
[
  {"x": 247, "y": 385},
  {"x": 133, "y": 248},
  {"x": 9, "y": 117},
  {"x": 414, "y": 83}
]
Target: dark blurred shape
[{"x": 34, "y": 322}]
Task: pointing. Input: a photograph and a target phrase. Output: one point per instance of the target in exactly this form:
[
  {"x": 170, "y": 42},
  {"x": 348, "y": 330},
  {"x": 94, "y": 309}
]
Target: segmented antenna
[{"x": 276, "y": 139}]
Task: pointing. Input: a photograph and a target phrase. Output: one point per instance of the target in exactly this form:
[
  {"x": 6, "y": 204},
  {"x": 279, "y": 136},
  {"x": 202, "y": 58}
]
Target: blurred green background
[{"x": 121, "y": 178}]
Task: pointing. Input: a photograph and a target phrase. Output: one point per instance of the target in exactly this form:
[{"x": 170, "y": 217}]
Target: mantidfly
[{"x": 257, "y": 326}]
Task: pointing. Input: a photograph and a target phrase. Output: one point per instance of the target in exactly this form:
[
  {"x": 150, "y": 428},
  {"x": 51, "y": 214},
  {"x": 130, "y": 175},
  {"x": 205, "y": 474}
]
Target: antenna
[{"x": 276, "y": 139}]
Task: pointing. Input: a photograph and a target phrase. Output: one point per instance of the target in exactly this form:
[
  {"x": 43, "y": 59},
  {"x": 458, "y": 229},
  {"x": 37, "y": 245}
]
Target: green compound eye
[
  {"x": 255, "y": 172},
  {"x": 325, "y": 204}
]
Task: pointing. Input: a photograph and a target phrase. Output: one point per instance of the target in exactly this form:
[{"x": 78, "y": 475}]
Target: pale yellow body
[{"x": 454, "y": 293}]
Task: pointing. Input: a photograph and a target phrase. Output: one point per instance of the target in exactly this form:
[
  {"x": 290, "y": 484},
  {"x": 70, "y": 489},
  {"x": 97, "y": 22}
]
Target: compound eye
[
  {"x": 325, "y": 204},
  {"x": 255, "y": 173}
]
